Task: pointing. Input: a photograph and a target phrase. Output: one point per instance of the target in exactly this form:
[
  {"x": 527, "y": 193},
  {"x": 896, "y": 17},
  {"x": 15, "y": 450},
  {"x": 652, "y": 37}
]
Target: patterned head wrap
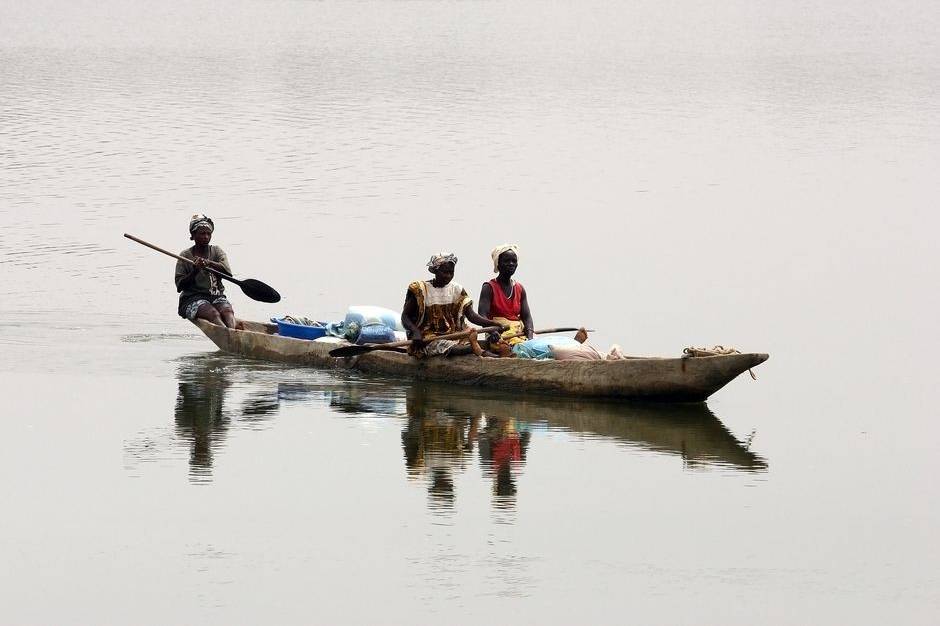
[
  {"x": 440, "y": 259},
  {"x": 200, "y": 221},
  {"x": 498, "y": 250}
]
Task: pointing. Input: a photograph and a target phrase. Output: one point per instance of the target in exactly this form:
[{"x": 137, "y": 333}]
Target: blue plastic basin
[{"x": 298, "y": 331}]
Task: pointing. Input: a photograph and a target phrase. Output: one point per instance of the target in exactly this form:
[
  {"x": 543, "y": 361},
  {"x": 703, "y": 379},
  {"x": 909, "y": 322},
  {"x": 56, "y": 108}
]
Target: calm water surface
[{"x": 742, "y": 173}]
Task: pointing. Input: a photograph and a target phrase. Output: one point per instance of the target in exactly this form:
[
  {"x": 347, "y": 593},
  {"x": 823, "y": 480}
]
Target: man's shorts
[{"x": 191, "y": 307}]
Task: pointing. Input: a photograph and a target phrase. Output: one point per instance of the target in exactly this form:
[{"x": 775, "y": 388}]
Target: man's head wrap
[
  {"x": 440, "y": 259},
  {"x": 498, "y": 250},
  {"x": 200, "y": 221}
]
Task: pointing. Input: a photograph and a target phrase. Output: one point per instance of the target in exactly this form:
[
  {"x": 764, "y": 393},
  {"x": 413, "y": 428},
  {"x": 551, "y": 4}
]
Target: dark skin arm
[
  {"x": 526, "y": 316},
  {"x": 486, "y": 299},
  {"x": 409, "y": 315},
  {"x": 478, "y": 319},
  {"x": 213, "y": 265},
  {"x": 201, "y": 262}
]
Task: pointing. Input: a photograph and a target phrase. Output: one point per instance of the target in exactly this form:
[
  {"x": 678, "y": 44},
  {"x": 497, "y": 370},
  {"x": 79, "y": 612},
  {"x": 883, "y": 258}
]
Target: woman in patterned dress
[{"x": 438, "y": 307}]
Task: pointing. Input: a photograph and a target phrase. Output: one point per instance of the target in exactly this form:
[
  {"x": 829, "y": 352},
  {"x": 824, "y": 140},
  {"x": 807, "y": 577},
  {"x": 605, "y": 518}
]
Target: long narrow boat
[{"x": 691, "y": 379}]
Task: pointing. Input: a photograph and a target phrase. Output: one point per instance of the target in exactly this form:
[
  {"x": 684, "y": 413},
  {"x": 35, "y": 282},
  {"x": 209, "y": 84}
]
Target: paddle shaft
[
  {"x": 487, "y": 329},
  {"x": 459, "y": 335},
  {"x": 182, "y": 258}
]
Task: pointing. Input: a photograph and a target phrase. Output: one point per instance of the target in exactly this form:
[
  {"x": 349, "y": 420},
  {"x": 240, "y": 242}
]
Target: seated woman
[
  {"x": 504, "y": 300},
  {"x": 437, "y": 307},
  {"x": 202, "y": 294}
]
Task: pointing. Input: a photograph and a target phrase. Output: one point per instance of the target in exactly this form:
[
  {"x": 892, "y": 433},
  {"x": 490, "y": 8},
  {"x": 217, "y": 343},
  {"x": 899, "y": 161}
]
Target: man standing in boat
[
  {"x": 504, "y": 300},
  {"x": 438, "y": 307},
  {"x": 202, "y": 294}
]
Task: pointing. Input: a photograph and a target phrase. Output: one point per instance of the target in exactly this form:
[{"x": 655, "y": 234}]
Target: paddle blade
[{"x": 257, "y": 290}]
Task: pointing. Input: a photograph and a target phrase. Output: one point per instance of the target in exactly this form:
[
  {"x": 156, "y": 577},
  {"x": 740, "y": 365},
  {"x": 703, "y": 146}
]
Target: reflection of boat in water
[
  {"x": 445, "y": 425},
  {"x": 690, "y": 431},
  {"x": 639, "y": 378}
]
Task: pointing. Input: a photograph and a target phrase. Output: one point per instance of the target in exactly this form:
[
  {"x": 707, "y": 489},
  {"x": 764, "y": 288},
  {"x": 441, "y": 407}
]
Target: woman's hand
[{"x": 201, "y": 262}]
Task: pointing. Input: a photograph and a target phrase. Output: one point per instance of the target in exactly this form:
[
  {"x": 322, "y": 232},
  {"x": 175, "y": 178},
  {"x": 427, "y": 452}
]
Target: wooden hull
[{"x": 653, "y": 379}]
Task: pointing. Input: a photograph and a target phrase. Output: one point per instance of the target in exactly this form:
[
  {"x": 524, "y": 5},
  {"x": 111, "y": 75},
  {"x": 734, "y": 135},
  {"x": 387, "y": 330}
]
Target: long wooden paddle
[
  {"x": 369, "y": 347},
  {"x": 254, "y": 289}
]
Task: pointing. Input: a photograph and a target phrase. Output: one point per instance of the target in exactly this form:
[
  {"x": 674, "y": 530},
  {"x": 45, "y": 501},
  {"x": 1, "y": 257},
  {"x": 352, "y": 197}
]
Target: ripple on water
[{"x": 150, "y": 337}]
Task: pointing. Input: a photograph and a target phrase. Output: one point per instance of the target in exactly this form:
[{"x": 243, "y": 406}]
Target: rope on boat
[
  {"x": 692, "y": 352},
  {"x": 713, "y": 351}
]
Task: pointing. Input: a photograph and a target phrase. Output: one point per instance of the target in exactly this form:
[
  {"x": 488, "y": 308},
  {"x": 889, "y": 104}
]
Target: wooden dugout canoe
[{"x": 639, "y": 378}]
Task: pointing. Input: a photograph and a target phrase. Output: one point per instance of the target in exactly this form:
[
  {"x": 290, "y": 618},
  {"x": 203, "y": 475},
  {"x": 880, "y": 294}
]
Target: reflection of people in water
[
  {"x": 436, "y": 444},
  {"x": 690, "y": 431},
  {"x": 199, "y": 415},
  {"x": 444, "y": 423},
  {"x": 503, "y": 446},
  {"x": 438, "y": 439},
  {"x": 202, "y": 415}
]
